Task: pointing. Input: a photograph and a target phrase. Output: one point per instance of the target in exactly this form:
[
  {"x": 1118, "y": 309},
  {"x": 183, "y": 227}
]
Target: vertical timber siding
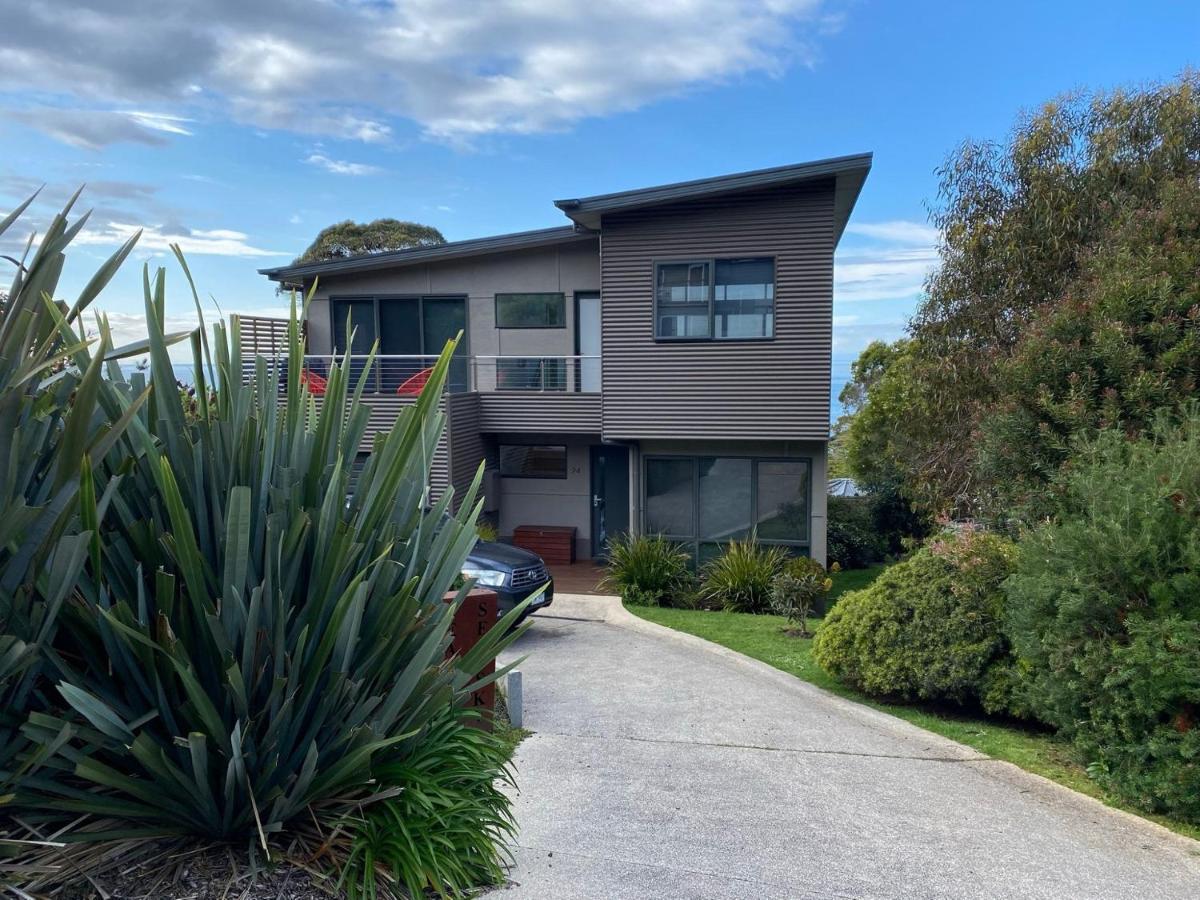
[
  {"x": 467, "y": 449},
  {"x": 777, "y": 389}
]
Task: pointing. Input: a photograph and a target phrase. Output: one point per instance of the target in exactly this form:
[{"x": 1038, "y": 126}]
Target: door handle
[{"x": 597, "y": 501}]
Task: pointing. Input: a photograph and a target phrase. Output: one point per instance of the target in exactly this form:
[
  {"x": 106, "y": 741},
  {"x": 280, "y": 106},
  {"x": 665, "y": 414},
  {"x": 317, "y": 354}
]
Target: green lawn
[
  {"x": 852, "y": 580},
  {"x": 761, "y": 637}
]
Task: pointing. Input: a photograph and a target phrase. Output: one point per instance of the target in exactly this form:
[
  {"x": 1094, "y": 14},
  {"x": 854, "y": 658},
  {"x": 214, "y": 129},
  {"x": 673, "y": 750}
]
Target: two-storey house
[{"x": 661, "y": 363}]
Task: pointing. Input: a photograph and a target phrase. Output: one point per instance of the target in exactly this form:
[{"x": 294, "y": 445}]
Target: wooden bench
[{"x": 553, "y": 543}]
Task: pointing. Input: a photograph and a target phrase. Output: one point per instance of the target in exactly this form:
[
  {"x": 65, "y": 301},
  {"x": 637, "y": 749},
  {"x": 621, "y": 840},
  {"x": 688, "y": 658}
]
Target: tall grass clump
[
  {"x": 55, "y": 424},
  {"x": 741, "y": 578},
  {"x": 220, "y": 632},
  {"x": 648, "y": 569}
]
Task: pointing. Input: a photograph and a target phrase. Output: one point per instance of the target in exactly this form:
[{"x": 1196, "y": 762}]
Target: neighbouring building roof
[
  {"x": 850, "y": 172},
  {"x": 845, "y": 487}
]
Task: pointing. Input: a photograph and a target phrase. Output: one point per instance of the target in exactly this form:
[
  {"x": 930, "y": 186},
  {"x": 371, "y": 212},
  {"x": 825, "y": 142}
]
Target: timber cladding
[{"x": 768, "y": 389}]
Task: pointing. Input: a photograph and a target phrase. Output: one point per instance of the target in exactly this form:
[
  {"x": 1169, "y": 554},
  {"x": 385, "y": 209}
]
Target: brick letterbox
[{"x": 475, "y": 616}]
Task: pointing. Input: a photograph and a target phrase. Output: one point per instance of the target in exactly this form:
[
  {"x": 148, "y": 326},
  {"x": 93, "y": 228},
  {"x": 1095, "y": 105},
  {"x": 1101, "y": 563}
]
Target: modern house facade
[{"x": 661, "y": 364}]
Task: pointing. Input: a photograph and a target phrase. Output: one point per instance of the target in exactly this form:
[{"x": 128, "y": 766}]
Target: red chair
[
  {"x": 415, "y": 384},
  {"x": 316, "y": 384}
]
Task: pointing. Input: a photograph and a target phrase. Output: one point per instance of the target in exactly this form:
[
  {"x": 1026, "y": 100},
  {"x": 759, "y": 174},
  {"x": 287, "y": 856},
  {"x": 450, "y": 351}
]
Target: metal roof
[
  {"x": 850, "y": 172},
  {"x": 454, "y": 249}
]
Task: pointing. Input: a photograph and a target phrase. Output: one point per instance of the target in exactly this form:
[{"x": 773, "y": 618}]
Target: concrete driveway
[{"x": 663, "y": 766}]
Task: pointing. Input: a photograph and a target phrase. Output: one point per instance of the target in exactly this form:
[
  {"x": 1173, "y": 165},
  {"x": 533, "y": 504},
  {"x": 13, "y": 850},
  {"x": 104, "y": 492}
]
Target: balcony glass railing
[{"x": 404, "y": 375}]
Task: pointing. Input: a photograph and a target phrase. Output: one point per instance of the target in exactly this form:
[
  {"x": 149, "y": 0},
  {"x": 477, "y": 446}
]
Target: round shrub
[
  {"x": 1104, "y": 615},
  {"x": 929, "y": 628}
]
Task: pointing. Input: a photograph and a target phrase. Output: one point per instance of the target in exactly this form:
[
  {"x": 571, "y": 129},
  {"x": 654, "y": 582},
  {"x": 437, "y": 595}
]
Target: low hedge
[{"x": 929, "y": 628}]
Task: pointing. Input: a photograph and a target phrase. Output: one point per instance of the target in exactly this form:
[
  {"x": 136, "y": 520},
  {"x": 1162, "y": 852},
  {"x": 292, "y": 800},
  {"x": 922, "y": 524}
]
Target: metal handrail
[{"x": 390, "y": 372}]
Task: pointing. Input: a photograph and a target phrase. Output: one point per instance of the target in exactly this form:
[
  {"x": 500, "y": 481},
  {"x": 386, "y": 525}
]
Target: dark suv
[{"x": 512, "y": 573}]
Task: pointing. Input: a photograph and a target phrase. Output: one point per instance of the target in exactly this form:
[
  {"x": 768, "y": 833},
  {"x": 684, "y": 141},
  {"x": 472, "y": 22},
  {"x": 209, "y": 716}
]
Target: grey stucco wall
[
  {"x": 545, "y": 501},
  {"x": 568, "y": 268}
]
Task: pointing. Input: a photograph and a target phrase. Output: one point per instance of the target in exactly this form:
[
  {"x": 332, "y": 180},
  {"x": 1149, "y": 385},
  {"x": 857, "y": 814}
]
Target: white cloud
[
  {"x": 459, "y": 69},
  {"x": 892, "y": 265},
  {"x": 89, "y": 129},
  {"x": 887, "y": 267},
  {"x": 216, "y": 242},
  {"x": 896, "y": 231},
  {"x": 341, "y": 166},
  {"x": 158, "y": 121}
]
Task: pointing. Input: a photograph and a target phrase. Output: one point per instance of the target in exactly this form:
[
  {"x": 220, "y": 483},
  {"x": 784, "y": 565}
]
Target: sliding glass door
[
  {"x": 705, "y": 501},
  {"x": 412, "y": 332}
]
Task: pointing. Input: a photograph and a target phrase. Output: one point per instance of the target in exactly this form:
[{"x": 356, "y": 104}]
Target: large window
[
  {"x": 533, "y": 461},
  {"x": 705, "y": 501},
  {"x": 411, "y": 332},
  {"x": 531, "y": 310},
  {"x": 721, "y": 299}
]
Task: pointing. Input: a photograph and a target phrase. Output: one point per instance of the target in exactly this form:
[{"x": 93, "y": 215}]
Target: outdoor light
[{"x": 485, "y": 577}]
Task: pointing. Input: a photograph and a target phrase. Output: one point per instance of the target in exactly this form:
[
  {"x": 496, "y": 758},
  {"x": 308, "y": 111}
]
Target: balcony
[{"x": 405, "y": 375}]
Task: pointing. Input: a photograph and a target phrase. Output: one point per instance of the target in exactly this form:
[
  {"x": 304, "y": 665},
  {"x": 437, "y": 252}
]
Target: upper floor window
[
  {"x": 545, "y": 310},
  {"x": 715, "y": 299}
]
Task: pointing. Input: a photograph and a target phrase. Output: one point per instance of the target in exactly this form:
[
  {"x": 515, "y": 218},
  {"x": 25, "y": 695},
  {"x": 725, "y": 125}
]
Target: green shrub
[
  {"x": 1104, "y": 614},
  {"x": 648, "y": 570},
  {"x": 486, "y": 531},
  {"x": 740, "y": 578},
  {"x": 797, "y": 590},
  {"x": 446, "y": 827},
  {"x": 851, "y": 538},
  {"x": 929, "y": 628}
]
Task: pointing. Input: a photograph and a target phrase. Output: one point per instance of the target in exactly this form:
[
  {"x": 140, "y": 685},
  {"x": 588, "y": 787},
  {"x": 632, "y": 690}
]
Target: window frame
[
  {"x": 561, "y": 295},
  {"x": 376, "y": 299},
  {"x": 711, "y": 262},
  {"x": 500, "y": 447},
  {"x": 694, "y": 540}
]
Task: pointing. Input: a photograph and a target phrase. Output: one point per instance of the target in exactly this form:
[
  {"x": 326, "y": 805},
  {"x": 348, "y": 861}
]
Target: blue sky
[{"x": 242, "y": 129}]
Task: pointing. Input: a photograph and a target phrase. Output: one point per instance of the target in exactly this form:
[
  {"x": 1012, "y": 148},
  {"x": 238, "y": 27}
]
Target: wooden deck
[{"x": 581, "y": 577}]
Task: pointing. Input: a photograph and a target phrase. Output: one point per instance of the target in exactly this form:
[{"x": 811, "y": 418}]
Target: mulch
[{"x": 210, "y": 873}]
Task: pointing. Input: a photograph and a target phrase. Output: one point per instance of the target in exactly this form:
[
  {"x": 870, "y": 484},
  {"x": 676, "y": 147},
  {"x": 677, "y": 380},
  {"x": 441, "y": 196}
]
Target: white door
[{"x": 589, "y": 341}]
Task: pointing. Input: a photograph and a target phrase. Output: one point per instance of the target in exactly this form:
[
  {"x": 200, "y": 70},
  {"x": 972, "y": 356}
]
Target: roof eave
[
  {"x": 852, "y": 170},
  {"x": 454, "y": 250}
]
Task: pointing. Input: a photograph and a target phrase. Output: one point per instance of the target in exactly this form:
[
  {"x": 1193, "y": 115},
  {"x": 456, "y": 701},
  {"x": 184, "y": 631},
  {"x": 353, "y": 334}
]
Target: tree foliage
[
  {"x": 1063, "y": 301},
  {"x": 1104, "y": 614},
  {"x": 349, "y": 238}
]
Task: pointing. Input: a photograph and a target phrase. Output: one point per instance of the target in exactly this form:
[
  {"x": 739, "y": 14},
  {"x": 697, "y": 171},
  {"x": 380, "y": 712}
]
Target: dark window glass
[
  {"x": 530, "y": 461},
  {"x": 783, "y": 501},
  {"x": 360, "y": 316},
  {"x": 531, "y": 311},
  {"x": 531, "y": 373},
  {"x": 444, "y": 319},
  {"x": 724, "y": 498},
  {"x": 681, "y": 294},
  {"x": 400, "y": 336},
  {"x": 670, "y": 497},
  {"x": 744, "y": 298}
]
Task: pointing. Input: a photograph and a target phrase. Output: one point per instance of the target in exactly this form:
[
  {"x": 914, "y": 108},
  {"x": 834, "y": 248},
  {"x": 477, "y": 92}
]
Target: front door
[{"x": 610, "y": 495}]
